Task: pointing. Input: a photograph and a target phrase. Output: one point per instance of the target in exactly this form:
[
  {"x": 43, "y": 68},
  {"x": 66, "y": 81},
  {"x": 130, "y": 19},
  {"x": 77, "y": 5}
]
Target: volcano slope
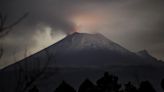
[{"x": 77, "y": 57}]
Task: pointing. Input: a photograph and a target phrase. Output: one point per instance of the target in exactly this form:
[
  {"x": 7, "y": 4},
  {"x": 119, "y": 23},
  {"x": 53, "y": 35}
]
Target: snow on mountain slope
[
  {"x": 80, "y": 41},
  {"x": 82, "y": 49},
  {"x": 79, "y": 56}
]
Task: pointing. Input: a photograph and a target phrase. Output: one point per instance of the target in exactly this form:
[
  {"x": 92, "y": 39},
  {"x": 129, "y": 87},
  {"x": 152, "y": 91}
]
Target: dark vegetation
[{"x": 107, "y": 83}]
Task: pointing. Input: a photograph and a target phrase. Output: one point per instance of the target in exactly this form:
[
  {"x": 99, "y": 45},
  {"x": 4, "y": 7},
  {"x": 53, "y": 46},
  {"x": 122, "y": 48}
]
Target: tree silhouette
[
  {"x": 5, "y": 27},
  {"x": 109, "y": 83},
  {"x": 162, "y": 84},
  {"x": 146, "y": 86},
  {"x": 34, "y": 89},
  {"x": 64, "y": 87},
  {"x": 129, "y": 87},
  {"x": 25, "y": 78},
  {"x": 87, "y": 86}
]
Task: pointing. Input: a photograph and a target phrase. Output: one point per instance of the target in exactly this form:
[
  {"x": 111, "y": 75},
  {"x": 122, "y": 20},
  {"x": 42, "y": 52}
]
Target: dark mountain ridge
[
  {"x": 88, "y": 49},
  {"x": 81, "y": 55}
]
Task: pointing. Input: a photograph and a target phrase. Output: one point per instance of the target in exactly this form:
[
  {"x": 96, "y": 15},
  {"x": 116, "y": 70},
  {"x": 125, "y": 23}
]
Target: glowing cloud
[{"x": 86, "y": 22}]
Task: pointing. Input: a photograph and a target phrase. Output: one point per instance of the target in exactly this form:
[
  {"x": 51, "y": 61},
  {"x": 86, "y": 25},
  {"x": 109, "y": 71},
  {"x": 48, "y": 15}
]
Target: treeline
[{"x": 108, "y": 83}]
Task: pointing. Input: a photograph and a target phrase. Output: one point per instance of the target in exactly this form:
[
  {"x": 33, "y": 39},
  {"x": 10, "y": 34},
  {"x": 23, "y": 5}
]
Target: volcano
[{"x": 79, "y": 56}]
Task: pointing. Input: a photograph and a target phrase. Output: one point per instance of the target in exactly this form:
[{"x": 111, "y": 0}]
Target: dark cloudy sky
[{"x": 134, "y": 24}]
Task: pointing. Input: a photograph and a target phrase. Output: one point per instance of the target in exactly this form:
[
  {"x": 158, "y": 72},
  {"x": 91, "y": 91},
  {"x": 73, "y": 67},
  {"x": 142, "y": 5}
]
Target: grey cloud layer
[{"x": 135, "y": 24}]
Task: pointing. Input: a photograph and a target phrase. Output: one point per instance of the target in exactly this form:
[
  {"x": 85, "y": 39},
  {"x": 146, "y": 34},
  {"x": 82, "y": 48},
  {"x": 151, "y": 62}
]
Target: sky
[{"x": 134, "y": 24}]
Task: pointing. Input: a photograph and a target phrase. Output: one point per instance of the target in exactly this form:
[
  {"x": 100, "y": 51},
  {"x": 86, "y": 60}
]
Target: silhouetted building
[
  {"x": 87, "y": 86},
  {"x": 145, "y": 86},
  {"x": 34, "y": 89},
  {"x": 64, "y": 87}
]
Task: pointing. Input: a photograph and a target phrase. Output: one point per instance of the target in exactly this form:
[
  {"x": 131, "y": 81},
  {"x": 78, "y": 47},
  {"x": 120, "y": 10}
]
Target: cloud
[{"x": 135, "y": 24}]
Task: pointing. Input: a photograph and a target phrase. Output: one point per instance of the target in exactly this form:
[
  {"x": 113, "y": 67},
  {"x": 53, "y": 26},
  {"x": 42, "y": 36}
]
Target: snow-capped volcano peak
[{"x": 81, "y": 41}]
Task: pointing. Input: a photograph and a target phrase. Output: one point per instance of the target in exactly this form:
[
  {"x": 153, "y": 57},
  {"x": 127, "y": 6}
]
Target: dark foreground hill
[{"x": 77, "y": 57}]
